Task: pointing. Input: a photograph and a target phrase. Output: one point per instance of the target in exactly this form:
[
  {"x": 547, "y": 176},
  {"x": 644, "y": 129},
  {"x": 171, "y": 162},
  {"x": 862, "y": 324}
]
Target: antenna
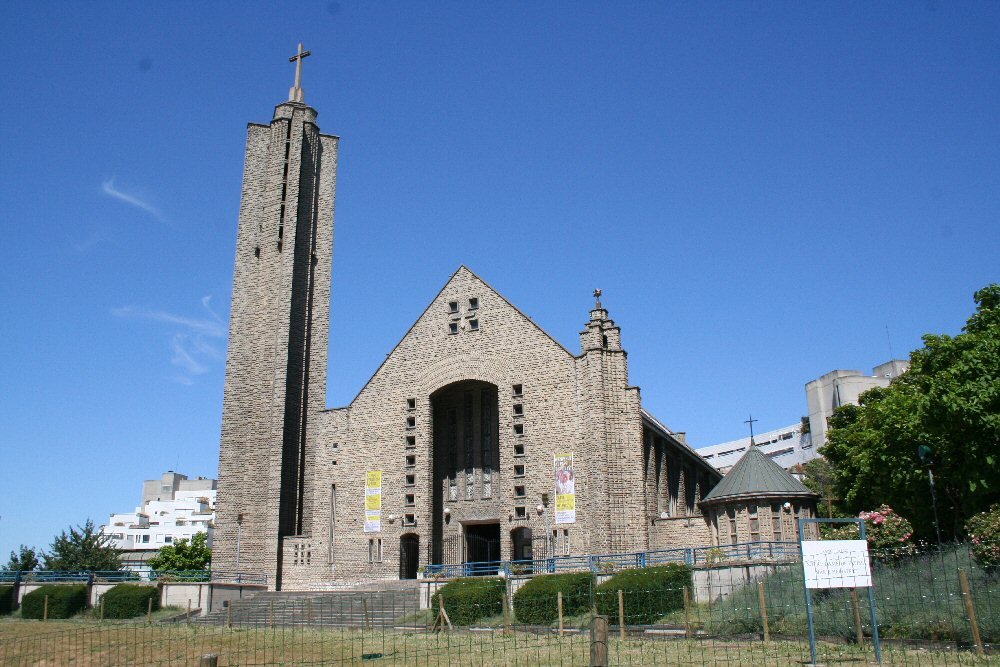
[{"x": 889, "y": 339}]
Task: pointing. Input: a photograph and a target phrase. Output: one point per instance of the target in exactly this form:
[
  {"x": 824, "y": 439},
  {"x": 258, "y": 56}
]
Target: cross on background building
[
  {"x": 750, "y": 421},
  {"x": 296, "y": 94}
]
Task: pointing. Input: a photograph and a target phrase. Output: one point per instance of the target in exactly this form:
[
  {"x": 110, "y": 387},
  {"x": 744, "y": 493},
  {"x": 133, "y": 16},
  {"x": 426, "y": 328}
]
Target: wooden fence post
[
  {"x": 763, "y": 610},
  {"x": 309, "y": 611},
  {"x": 560, "y": 603},
  {"x": 599, "y": 642},
  {"x": 270, "y": 616},
  {"x": 687, "y": 612},
  {"x": 508, "y": 613},
  {"x": 364, "y": 607},
  {"x": 187, "y": 618},
  {"x": 859, "y": 631},
  {"x": 970, "y": 609},
  {"x": 621, "y": 614},
  {"x": 209, "y": 660},
  {"x": 229, "y": 615},
  {"x": 149, "y": 611},
  {"x": 45, "y": 609},
  {"x": 102, "y": 608}
]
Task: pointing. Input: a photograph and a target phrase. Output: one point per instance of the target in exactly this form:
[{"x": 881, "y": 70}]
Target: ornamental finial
[{"x": 597, "y": 295}]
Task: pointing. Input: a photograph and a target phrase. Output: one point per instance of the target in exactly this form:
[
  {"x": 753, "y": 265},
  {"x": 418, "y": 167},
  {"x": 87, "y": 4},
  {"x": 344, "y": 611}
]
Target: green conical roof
[{"x": 756, "y": 473}]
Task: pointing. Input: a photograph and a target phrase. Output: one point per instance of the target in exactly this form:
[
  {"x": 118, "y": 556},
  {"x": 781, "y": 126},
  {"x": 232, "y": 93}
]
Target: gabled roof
[{"x": 757, "y": 474}]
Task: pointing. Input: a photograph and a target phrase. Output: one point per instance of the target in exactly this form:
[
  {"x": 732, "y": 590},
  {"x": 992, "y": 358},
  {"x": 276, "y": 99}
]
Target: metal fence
[
  {"x": 125, "y": 576},
  {"x": 602, "y": 563},
  {"x": 934, "y": 608}
]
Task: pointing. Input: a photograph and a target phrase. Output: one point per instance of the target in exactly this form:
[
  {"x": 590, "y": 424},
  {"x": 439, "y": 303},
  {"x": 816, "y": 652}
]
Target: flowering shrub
[
  {"x": 890, "y": 536},
  {"x": 984, "y": 532}
]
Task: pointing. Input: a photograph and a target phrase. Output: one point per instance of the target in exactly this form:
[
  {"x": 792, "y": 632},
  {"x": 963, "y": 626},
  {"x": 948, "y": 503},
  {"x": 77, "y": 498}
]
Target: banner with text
[
  {"x": 565, "y": 488},
  {"x": 373, "y": 501}
]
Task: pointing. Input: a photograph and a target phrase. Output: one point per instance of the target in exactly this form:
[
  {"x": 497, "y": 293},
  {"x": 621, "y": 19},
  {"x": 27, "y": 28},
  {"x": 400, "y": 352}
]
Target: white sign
[{"x": 836, "y": 563}]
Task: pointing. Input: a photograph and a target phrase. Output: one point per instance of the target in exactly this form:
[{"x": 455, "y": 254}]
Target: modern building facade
[
  {"x": 173, "y": 508},
  {"x": 788, "y": 446}
]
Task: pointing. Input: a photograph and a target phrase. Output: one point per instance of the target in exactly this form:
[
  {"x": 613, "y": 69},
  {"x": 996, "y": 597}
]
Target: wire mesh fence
[{"x": 935, "y": 608}]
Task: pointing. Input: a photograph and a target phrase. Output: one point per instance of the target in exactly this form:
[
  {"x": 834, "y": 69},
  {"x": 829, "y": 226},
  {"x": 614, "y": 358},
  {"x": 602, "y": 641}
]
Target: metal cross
[
  {"x": 297, "y": 59},
  {"x": 751, "y": 421}
]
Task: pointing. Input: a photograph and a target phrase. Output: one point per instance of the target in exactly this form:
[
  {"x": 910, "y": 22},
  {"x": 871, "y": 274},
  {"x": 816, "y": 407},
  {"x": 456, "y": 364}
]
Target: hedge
[
  {"x": 6, "y": 600},
  {"x": 129, "y": 600},
  {"x": 650, "y": 593},
  {"x": 64, "y": 601},
  {"x": 471, "y": 599},
  {"x": 537, "y": 602}
]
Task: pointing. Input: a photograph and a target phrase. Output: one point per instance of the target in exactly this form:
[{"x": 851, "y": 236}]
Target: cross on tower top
[
  {"x": 751, "y": 421},
  {"x": 296, "y": 94},
  {"x": 597, "y": 295}
]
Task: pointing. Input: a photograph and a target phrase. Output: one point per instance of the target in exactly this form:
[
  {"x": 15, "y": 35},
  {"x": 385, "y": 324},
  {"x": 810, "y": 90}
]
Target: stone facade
[{"x": 463, "y": 418}]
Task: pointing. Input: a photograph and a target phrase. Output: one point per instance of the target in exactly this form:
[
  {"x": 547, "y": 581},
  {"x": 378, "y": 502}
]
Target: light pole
[
  {"x": 544, "y": 509},
  {"x": 926, "y": 455}
]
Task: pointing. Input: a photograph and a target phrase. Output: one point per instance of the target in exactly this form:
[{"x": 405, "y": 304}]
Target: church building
[{"x": 480, "y": 438}]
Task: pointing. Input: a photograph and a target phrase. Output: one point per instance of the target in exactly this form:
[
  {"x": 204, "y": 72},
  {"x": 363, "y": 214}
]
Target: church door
[
  {"x": 409, "y": 556},
  {"x": 482, "y": 545}
]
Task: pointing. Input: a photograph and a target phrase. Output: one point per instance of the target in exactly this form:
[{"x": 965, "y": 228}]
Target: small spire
[
  {"x": 296, "y": 94},
  {"x": 597, "y": 295}
]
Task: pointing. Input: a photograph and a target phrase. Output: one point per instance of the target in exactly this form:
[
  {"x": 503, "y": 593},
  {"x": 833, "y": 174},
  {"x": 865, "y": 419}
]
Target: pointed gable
[{"x": 757, "y": 474}]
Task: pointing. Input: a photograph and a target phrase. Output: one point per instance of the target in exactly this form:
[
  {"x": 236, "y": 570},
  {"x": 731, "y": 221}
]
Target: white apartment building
[
  {"x": 788, "y": 446},
  {"x": 173, "y": 508}
]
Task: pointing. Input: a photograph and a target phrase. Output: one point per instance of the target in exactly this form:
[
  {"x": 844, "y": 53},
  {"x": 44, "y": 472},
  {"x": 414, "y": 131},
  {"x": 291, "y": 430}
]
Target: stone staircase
[{"x": 378, "y": 605}]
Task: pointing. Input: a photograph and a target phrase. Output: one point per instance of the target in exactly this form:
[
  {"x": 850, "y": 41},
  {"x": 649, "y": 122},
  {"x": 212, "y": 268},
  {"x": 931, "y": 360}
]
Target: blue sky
[{"x": 759, "y": 189}]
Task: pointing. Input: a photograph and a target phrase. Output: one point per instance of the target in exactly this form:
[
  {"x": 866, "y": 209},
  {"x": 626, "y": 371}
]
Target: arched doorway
[
  {"x": 409, "y": 556},
  {"x": 467, "y": 497}
]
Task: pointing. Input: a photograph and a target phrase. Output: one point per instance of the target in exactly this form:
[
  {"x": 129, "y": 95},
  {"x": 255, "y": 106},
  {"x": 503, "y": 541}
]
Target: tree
[
  {"x": 819, "y": 476},
  {"x": 24, "y": 559},
  {"x": 82, "y": 549},
  {"x": 949, "y": 402},
  {"x": 184, "y": 555}
]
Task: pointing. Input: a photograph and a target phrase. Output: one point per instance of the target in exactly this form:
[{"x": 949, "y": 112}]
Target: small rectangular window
[
  {"x": 411, "y": 422},
  {"x": 411, "y": 480},
  {"x": 411, "y": 499},
  {"x": 409, "y": 519},
  {"x": 519, "y": 450},
  {"x": 411, "y": 461},
  {"x": 520, "y": 512},
  {"x": 519, "y": 492},
  {"x": 565, "y": 542},
  {"x": 411, "y": 441},
  {"x": 518, "y": 429},
  {"x": 518, "y": 410},
  {"x": 517, "y": 390},
  {"x": 473, "y": 325},
  {"x": 453, "y": 327},
  {"x": 375, "y": 550},
  {"x": 473, "y": 303},
  {"x": 453, "y": 306},
  {"x": 411, "y": 404},
  {"x": 519, "y": 471}
]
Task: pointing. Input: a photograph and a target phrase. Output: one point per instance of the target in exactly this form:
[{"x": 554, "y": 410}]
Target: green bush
[
  {"x": 650, "y": 593},
  {"x": 536, "y": 603},
  {"x": 129, "y": 600},
  {"x": 471, "y": 599},
  {"x": 65, "y": 600},
  {"x": 6, "y": 600},
  {"x": 984, "y": 531}
]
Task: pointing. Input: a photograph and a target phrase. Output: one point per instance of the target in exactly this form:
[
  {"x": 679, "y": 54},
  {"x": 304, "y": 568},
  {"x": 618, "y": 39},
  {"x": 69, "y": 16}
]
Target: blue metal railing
[
  {"x": 122, "y": 576},
  {"x": 608, "y": 563}
]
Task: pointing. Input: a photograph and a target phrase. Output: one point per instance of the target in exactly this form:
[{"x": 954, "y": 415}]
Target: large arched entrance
[
  {"x": 409, "y": 556},
  {"x": 467, "y": 495}
]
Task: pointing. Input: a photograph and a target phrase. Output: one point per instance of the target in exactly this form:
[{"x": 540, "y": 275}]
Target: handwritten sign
[{"x": 836, "y": 564}]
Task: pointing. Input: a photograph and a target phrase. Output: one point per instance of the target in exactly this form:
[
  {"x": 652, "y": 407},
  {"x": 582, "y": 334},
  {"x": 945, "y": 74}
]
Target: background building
[
  {"x": 788, "y": 446},
  {"x": 173, "y": 508}
]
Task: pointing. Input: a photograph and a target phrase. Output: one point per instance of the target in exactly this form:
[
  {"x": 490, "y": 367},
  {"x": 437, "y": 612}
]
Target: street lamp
[
  {"x": 926, "y": 455},
  {"x": 544, "y": 509}
]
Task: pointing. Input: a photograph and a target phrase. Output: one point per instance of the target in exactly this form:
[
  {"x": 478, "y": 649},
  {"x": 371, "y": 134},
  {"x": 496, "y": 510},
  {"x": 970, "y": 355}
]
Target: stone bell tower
[{"x": 278, "y": 336}]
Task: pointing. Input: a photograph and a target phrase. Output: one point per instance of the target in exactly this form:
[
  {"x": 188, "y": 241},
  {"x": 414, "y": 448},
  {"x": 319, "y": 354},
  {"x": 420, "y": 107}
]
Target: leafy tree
[
  {"x": 819, "y": 476},
  {"x": 82, "y": 548},
  {"x": 949, "y": 401},
  {"x": 24, "y": 559},
  {"x": 184, "y": 555}
]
